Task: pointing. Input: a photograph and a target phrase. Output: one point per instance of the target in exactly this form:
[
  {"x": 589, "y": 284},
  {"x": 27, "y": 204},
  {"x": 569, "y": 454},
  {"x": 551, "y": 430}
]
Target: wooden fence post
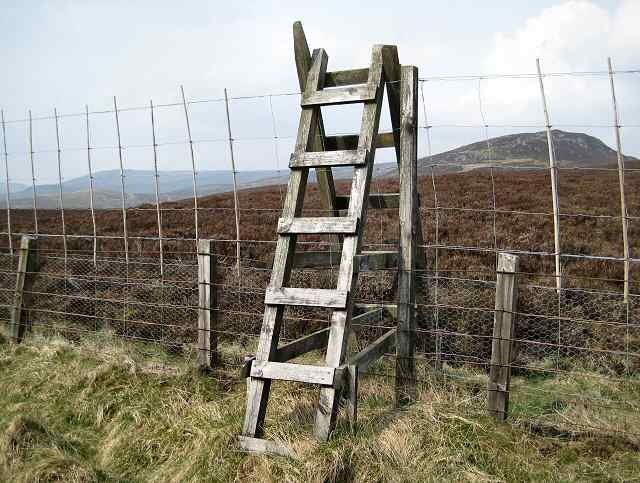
[
  {"x": 504, "y": 321},
  {"x": 409, "y": 221},
  {"x": 27, "y": 264},
  {"x": 207, "y": 342},
  {"x": 555, "y": 196}
]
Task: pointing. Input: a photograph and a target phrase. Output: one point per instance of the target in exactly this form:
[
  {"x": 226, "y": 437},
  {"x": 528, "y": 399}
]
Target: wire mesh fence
[{"x": 118, "y": 253}]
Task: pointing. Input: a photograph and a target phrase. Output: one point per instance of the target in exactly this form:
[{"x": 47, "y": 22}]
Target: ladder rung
[
  {"x": 376, "y": 200},
  {"x": 378, "y": 260},
  {"x": 261, "y": 446},
  {"x": 350, "y": 77},
  {"x": 312, "y": 259},
  {"x": 355, "y": 157},
  {"x": 329, "y": 225},
  {"x": 350, "y": 141},
  {"x": 285, "y": 371},
  {"x": 308, "y": 297},
  {"x": 342, "y": 95}
]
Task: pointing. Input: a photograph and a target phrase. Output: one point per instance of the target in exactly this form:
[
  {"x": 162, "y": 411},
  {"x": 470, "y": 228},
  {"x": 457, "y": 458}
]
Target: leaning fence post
[
  {"x": 207, "y": 343},
  {"x": 504, "y": 321},
  {"x": 27, "y": 264},
  {"x": 553, "y": 170},
  {"x": 235, "y": 185},
  {"x": 623, "y": 202}
]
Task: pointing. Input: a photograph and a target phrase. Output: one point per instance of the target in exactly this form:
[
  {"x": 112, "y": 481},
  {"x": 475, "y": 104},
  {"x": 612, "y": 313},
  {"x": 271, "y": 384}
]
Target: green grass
[{"x": 102, "y": 411}]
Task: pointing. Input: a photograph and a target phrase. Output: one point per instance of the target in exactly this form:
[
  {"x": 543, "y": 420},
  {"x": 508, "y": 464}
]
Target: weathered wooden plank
[
  {"x": 324, "y": 176},
  {"x": 351, "y": 157},
  {"x": 376, "y": 201},
  {"x": 327, "y": 411},
  {"x": 326, "y": 225},
  {"x": 263, "y": 446},
  {"x": 27, "y": 265},
  {"x": 504, "y": 322},
  {"x": 312, "y": 259},
  {"x": 378, "y": 260},
  {"x": 296, "y": 348},
  {"x": 391, "y": 310},
  {"x": 393, "y": 76},
  {"x": 350, "y": 141},
  {"x": 406, "y": 339},
  {"x": 367, "y": 317},
  {"x": 340, "y": 78},
  {"x": 363, "y": 359},
  {"x": 308, "y": 297},
  {"x": 258, "y": 389},
  {"x": 368, "y": 261},
  {"x": 339, "y": 96},
  {"x": 284, "y": 371},
  {"x": 207, "y": 340}
]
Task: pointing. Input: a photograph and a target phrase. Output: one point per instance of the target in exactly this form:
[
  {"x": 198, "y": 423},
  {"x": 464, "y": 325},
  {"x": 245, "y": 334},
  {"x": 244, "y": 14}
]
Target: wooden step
[
  {"x": 262, "y": 446},
  {"x": 311, "y": 259},
  {"x": 296, "y": 348},
  {"x": 338, "y": 96},
  {"x": 308, "y": 297},
  {"x": 377, "y": 260},
  {"x": 376, "y": 201},
  {"x": 369, "y": 261},
  {"x": 352, "y": 157},
  {"x": 328, "y": 225},
  {"x": 350, "y": 141},
  {"x": 349, "y": 77},
  {"x": 285, "y": 371}
]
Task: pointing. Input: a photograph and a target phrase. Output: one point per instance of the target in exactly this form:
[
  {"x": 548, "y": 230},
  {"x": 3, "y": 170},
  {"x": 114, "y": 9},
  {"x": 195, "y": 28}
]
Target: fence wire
[{"x": 128, "y": 265}]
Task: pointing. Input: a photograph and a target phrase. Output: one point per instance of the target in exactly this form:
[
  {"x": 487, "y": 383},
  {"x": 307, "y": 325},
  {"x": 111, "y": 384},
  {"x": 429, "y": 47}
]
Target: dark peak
[{"x": 571, "y": 149}]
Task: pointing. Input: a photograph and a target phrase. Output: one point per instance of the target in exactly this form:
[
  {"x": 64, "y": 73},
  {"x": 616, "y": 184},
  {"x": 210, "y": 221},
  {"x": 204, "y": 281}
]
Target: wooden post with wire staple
[
  {"x": 207, "y": 341},
  {"x": 504, "y": 322},
  {"x": 27, "y": 265},
  {"x": 406, "y": 334}
]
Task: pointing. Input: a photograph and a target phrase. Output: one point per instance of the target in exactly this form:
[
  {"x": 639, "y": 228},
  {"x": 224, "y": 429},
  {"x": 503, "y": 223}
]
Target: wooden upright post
[
  {"x": 207, "y": 341},
  {"x": 27, "y": 264},
  {"x": 406, "y": 333},
  {"x": 504, "y": 321}
]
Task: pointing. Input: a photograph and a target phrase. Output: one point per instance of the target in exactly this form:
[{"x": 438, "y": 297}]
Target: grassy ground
[{"x": 102, "y": 411}]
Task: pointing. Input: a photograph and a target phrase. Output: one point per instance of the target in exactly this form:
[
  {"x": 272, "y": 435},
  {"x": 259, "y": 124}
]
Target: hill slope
[
  {"x": 526, "y": 149},
  {"x": 513, "y": 150}
]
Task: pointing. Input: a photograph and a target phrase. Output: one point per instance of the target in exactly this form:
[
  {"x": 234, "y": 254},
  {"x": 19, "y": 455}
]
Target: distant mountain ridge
[
  {"x": 140, "y": 186},
  {"x": 512, "y": 150},
  {"x": 526, "y": 149}
]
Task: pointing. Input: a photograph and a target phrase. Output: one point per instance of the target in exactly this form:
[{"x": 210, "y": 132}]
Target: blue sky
[{"x": 66, "y": 54}]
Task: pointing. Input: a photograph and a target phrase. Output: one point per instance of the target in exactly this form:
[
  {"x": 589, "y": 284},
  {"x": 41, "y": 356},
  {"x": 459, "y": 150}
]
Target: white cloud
[{"x": 572, "y": 36}]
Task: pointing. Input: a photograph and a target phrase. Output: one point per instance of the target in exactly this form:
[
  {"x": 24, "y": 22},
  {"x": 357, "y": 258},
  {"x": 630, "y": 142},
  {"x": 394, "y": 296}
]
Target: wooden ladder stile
[{"x": 338, "y": 378}]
